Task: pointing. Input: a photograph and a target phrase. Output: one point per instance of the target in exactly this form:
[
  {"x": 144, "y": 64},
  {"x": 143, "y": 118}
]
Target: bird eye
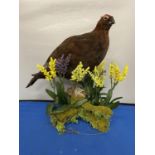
[{"x": 106, "y": 18}]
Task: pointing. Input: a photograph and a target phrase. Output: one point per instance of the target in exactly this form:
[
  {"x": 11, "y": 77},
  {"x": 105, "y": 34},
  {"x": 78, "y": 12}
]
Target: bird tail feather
[{"x": 34, "y": 79}]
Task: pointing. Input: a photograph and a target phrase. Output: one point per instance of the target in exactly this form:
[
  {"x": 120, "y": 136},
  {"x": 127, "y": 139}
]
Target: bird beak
[{"x": 112, "y": 21}]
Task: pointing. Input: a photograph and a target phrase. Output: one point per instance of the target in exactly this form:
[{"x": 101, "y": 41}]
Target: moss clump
[
  {"x": 60, "y": 119},
  {"x": 97, "y": 116}
]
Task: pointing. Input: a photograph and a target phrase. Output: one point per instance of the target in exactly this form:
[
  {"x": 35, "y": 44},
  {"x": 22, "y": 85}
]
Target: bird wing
[{"x": 81, "y": 47}]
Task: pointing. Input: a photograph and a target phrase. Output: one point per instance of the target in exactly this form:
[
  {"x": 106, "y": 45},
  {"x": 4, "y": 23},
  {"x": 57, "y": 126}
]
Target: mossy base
[{"x": 97, "y": 116}]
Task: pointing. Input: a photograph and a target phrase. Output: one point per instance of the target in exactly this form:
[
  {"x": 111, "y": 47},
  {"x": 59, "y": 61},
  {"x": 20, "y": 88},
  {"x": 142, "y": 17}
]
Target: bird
[{"x": 90, "y": 48}]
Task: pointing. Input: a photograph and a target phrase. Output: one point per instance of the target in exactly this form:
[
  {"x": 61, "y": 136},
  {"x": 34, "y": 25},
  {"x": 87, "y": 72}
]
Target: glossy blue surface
[{"x": 39, "y": 137}]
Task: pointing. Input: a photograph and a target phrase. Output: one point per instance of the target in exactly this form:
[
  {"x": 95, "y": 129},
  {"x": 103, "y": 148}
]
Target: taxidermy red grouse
[{"x": 89, "y": 48}]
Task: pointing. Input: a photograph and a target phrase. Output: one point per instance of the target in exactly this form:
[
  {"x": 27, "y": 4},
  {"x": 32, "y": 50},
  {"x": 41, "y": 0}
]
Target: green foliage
[
  {"x": 51, "y": 94},
  {"x": 58, "y": 94},
  {"x": 113, "y": 105},
  {"x": 63, "y": 97},
  {"x": 97, "y": 97},
  {"x": 49, "y": 109},
  {"x": 107, "y": 98},
  {"x": 93, "y": 93},
  {"x": 65, "y": 107}
]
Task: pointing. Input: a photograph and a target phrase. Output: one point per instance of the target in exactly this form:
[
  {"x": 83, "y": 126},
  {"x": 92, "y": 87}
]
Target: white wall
[{"x": 44, "y": 24}]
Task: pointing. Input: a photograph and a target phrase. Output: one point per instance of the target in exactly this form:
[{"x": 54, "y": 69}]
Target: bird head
[{"x": 105, "y": 22}]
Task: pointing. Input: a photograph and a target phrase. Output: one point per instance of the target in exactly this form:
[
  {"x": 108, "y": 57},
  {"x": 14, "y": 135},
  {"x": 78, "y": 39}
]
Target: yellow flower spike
[
  {"x": 97, "y": 74},
  {"x": 49, "y": 75},
  {"x": 125, "y": 71},
  {"x": 43, "y": 70},
  {"x": 98, "y": 79},
  {"x": 79, "y": 72},
  {"x": 115, "y": 73},
  {"x": 52, "y": 68}
]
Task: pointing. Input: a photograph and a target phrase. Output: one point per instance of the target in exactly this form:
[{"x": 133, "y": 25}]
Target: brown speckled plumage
[{"x": 90, "y": 48}]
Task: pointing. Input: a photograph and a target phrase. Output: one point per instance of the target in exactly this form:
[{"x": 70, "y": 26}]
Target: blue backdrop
[{"x": 39, "y": 137}]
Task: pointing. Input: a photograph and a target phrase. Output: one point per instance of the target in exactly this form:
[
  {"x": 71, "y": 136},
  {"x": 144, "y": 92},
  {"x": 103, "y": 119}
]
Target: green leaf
[
  {"x": 80, "y": 102},
  {"x": 61, "y": 109},
  {"x": 51, "y": 94},
  {"x": 49, "y": 108},
  {"x": 66, "y": 107},
  {"x": 113, "y": 105},
  {"x": 102, "y": 102},
  {"x": 115, "y": 99},
  {"x": 109, "y": 96},
  {"x": 61, "y": 94}
]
